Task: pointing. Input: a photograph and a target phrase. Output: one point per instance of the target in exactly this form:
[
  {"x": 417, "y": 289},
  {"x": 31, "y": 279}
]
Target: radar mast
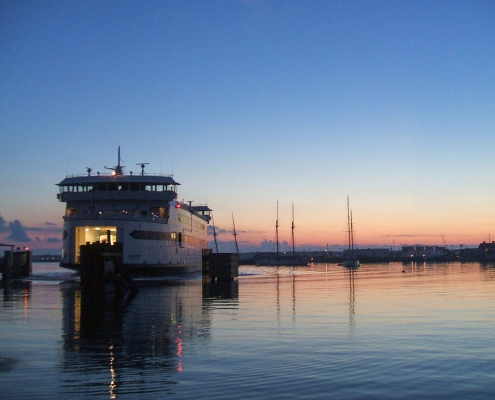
[
  {"x": 142, "y": 167},
  {"x": 118, "y": 169}
]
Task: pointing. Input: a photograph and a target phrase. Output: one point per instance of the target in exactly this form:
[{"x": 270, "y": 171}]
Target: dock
[{"x": 16, "y": 264}]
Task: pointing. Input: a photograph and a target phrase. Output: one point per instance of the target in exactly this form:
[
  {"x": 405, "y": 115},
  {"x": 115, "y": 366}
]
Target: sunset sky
[{"x": 248, "y": 102}]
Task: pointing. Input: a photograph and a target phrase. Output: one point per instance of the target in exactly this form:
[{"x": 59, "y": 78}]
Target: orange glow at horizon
[
  {"x": 365, "y": 237},
  {"x": 374, "y": 225}
]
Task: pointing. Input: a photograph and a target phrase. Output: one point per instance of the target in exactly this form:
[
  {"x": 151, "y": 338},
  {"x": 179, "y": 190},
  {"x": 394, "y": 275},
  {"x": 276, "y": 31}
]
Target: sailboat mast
[
  {"x": 235, "y": 235},
  {"x": 293, "y": 244},
  {"x": 351, "y": 262},
  {"x": 348, "y": 225},
  {"x": 276, "y": 229},
  {"x": 214, "y": 232},
  {"x": 352, "y": 237}
]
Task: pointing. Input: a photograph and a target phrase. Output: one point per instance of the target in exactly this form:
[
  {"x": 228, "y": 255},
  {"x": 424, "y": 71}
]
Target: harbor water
[{"x": 382, "y": 331}]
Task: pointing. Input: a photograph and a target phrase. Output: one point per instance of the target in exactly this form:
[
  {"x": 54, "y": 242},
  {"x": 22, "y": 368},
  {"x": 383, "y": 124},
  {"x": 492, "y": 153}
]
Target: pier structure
[
  {"x": 220, "y": 266},
  {"x": 219, "y": 273},
  {"x": 103, "y": 276},
  {"x": 106, "y": 288},
  {"x": 16, "y": 264}
]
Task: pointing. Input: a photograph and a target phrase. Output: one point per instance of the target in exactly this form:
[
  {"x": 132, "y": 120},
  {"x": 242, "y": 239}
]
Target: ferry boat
[{"x": 159, "y": 235}]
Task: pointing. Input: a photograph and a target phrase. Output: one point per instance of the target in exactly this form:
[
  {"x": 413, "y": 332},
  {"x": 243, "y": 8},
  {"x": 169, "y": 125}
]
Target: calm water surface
[{"x": 383, "y": 331}]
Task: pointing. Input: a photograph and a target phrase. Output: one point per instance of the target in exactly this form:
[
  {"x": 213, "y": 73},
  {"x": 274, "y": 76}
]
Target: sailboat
[
  {"x": 350, "y": 262},
  {"x": 286, "y": 261}
]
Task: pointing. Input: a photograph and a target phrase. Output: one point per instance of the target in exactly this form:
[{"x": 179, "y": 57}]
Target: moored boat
[
  {"x": 351, "y": 261},
  {"x": 159, "y": 234},
  {"x": 285, "y": 260}
]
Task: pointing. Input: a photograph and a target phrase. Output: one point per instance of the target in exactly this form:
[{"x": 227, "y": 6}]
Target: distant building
[
  {"x": 408, "y": 251},
  {"x": 377, "y": 254},
  {"x": 424, "y": 252},
  {"x": 47, "y": 258},
  {"x": 486, "y": 251}
]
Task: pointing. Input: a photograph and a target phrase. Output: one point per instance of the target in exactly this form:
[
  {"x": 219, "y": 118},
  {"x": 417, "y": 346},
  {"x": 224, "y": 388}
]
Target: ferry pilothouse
[{"x": 159, "y": 235}]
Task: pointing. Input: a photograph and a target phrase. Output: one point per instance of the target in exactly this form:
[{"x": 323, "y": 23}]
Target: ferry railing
[
  {"x": 114, "y": 217},
  {"x": 118, "y": 216},
  {"x": 110, "y": 174},
  {"x": 118, "y": 195}
]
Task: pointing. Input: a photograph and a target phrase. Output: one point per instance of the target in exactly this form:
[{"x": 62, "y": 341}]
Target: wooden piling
[
  {"x": 17, "y": 264},
  {"x": 223, "y": 266},
  {"x": 103, "y": 276}
]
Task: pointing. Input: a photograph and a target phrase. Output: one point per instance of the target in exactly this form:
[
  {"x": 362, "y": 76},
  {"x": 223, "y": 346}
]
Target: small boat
[{"x": 351, "y": 261}]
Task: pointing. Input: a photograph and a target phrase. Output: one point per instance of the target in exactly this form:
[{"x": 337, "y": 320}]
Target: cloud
[
  {"x": 18, "y": 233},
  {"x": 46, "y": 228},
  {"x": 264, "y": 246},
  {"x": 221, "y": 231},
  {"x": 270, "y": 245},
  {"x": 218, "y": 230},
  {"x": 3, "y": 225}
]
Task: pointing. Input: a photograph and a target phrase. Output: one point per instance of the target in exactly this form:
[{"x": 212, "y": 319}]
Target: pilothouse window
[
  {"x": 159, "y": 212},
  {"x": 72, "y": 211}
]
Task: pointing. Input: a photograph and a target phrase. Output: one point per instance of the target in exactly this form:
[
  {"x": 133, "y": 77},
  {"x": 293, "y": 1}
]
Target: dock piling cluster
[
  {"x": 220, "y": 266},
  {"x": 16, "y": 264}
]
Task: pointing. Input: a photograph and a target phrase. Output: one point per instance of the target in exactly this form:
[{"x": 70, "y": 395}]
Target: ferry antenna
[
  {"x": 118, "y": 169},
  {"x": 142, "y": 167}
]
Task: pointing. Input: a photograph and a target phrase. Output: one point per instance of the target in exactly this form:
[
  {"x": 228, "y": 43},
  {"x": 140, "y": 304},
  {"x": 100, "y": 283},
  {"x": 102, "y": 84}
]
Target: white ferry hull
[{"x": 162, "y": 254}]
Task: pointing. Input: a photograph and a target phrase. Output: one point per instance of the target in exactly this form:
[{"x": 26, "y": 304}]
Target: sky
[{"x": 250, "y": 102}]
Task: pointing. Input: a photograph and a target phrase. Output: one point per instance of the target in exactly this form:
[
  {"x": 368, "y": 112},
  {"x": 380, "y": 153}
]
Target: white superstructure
[{"x": 159, "y": 235}]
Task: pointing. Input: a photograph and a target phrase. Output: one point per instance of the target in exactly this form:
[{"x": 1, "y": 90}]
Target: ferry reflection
[
  {"x": 142, "y": 343},
  {"x": 220, "y": 290},
  {"x": 16, "y": 290}
]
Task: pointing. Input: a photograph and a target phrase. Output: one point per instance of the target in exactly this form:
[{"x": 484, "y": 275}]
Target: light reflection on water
[{"x": 381, "y": 331}]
